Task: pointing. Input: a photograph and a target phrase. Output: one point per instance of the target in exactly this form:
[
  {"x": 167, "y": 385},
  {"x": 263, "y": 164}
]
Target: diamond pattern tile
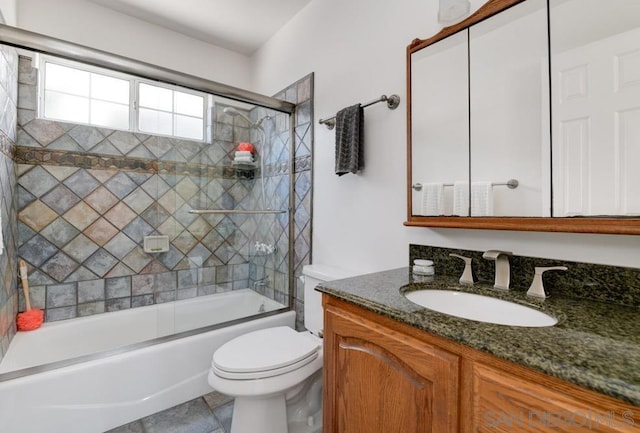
[
  {"x": 101, "y": 200},
  {"x": 101, "y": 262},
  {"x": 78, "y": 224},
  {"x": 100, "y": 231},
  {"x": 120, "y": 215},
  {"x": 81, "y": 183},
  {"x": 37, "y": 250},
  {"x": 59, "y": 266},
  {"x": 155, "y": 215},
  {"x": 137, "y": 259},
  {"x": 86, "y": 136},
  {"x": 199, "y": 228},
  {"x": 156, "y": 186},
  {"x": 138, "y": 229},
  {"x": 60, "y": 172},
  {"x": 185, "y": 241},
  {"x": 120, "y": 245},
  {"x": 102, "y": 175},
  {"x": 171, "y": 228},
  {"x": 37, "y": 215},
  {"x": 125, "y": 142},
  {"x": 80, "y": 248},
  {"x": 37, "y": 181},
  {"x": 186, "y": 188},
  {"x": 60, "y": 232},
  {"x": 43, "y": 131},
  {"x": 60, "y": 199},
  {"x": 171, "y": 201},
  {"x": 81, "y": 216},
  {"x": 138, "y": 200},
  {"x": 120, "y": 185}
]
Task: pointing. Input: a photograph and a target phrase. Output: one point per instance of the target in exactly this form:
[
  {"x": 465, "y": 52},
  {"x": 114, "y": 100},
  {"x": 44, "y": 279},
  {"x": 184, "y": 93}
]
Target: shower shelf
[
  {"x": 244, "y": 165},
  {"x": 235, "y": 211}
]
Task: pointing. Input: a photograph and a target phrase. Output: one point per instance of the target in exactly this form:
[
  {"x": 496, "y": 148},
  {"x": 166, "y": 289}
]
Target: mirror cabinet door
[
  {"x": 595, "y": 61},
  {"x": 440, "y": 127},
  {"x": 510, "y": 133}
]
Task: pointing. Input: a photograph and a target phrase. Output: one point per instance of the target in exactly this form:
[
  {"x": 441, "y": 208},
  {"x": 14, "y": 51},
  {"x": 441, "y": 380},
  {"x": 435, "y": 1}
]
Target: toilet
[{"x": 275, "y": 374}]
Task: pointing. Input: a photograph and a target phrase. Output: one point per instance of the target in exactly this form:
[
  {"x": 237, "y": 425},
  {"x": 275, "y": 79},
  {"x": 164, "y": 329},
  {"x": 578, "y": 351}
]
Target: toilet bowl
[{"x": 275, "y": 374}]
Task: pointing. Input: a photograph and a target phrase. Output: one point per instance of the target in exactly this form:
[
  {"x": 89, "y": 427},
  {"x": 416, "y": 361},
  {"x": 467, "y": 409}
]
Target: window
[
  {"x": 170, "y": 112},
  {"x": 83, "y": 94},
  {"x": 74, "y": 95}
]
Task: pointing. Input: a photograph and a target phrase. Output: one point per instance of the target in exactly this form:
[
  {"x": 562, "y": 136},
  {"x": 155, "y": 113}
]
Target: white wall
[
  {"x": 8, "y": 8},
  {"x": 92, "y": 25},
  {"x": 357, "y": 50}
]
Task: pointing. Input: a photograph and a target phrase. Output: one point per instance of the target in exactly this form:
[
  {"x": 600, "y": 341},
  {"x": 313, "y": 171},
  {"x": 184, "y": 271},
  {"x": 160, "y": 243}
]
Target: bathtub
[{"x": 95, "y": 373}]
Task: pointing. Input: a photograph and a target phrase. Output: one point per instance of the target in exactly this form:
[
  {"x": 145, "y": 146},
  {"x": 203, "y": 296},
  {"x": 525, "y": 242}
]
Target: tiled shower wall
[
  {"x": 88, "y": 196},
  {"x": 8, "y": 259}
]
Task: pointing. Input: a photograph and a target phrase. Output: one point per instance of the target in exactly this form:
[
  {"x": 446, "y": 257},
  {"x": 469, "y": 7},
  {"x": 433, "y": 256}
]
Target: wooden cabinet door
[
  {"x": 506, "y": 403},
  {"x": 381, "y": 380}
]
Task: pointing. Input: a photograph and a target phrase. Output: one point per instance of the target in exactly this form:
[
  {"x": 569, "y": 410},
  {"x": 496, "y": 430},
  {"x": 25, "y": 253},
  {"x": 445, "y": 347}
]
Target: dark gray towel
[{"x": 349, "y": 140}]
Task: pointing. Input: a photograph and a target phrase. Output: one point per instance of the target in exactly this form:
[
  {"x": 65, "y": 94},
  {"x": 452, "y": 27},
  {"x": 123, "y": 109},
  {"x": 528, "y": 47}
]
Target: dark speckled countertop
[{"x": 594, "y": 344}]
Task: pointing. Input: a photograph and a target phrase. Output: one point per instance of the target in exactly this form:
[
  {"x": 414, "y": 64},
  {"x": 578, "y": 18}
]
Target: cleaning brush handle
[{"x": 25, "y": 283}]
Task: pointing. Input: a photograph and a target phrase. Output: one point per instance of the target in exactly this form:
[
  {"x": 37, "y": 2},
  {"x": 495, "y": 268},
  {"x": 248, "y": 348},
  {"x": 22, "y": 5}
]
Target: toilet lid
[{"x": 264, "y": 353}]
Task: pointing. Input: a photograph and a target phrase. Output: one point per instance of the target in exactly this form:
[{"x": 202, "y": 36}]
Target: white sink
[{"x": 480, "y": 308}]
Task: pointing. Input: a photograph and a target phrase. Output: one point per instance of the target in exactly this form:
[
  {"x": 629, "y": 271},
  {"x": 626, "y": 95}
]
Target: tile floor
[{"x": 208, "y": 414}]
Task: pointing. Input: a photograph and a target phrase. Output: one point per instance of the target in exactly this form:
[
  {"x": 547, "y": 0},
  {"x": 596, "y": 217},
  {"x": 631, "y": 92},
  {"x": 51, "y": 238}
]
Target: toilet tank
[{"x": 313, "y": 275}]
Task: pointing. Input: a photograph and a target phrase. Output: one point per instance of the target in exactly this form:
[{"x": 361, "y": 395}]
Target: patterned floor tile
[
  {"x": 191, "y": 417},
  {"x": 134, "y": 427}
]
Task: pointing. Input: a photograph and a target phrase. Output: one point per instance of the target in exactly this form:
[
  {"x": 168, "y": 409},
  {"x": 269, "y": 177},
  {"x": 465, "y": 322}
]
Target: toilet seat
[{"x": 265, "y": 353}]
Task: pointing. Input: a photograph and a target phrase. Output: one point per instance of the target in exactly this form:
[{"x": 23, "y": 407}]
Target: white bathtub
[{"x": 120, "y": 384}]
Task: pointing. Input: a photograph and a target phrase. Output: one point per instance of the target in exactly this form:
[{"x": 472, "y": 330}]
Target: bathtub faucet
[{"x": 261, "y": 284}]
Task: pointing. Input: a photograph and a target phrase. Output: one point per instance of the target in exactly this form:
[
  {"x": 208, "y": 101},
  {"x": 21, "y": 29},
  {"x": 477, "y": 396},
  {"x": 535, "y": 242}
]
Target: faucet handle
[
  {"x": 467, "y": 275},
  {"x": 536, "y": 289}
]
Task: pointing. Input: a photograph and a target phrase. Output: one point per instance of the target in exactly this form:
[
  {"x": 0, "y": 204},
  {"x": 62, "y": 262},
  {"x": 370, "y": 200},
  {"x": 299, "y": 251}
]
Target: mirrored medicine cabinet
[{"x": 526, "y": 116}]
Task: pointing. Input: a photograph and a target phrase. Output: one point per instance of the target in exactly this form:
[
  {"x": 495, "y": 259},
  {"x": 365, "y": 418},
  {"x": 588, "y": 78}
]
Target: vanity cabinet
[
  {"x": 380, "y": 380},
  {"x": 382, "y": 375}
]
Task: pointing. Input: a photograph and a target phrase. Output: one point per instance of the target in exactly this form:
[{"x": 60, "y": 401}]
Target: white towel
[
  {"x": 432, "y": 199},
  {"x": 461, "y": 198},
  {"x": 481, "y": 199},
  {"x": 243, "y": 153}
]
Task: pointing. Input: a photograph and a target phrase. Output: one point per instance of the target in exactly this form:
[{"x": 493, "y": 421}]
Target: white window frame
[{"x": 134, "y": 86}]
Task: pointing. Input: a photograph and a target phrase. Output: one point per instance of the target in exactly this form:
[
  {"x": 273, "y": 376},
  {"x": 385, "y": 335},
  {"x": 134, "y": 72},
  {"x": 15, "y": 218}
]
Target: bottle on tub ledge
[{"x": 243, "y": 156}]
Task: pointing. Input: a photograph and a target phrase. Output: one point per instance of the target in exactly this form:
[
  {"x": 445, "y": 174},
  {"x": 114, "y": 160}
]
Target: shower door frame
[{"x": 36, "y": 42}]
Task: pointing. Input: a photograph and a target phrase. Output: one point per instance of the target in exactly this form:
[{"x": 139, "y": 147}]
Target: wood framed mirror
[{"x": 499, "y": 132}]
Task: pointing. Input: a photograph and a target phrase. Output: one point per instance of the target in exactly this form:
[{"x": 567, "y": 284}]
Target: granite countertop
[{"x": 595, "y": 345}]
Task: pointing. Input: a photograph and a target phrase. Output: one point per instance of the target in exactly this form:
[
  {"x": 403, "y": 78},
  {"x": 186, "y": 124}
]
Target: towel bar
[
  {"x": 392, "y": 103},
  {"x": 235, "y": 211},
  {"x": 511, "y": 184}
]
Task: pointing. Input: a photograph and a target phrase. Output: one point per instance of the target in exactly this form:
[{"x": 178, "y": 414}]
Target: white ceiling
[{"x": 238, "y": 25}]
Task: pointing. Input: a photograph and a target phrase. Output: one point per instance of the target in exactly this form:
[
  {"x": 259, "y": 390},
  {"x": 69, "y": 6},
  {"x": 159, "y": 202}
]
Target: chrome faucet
[
  {"x": 537, "y": 287},
  {"x": 261, "y": 284},
  {"x": 503, "y": 272}
]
